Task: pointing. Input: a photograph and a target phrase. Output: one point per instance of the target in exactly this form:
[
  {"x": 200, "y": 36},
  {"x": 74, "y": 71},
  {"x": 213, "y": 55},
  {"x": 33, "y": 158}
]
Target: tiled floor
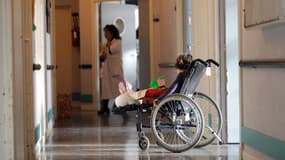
[{"x": 90, "y": 137}]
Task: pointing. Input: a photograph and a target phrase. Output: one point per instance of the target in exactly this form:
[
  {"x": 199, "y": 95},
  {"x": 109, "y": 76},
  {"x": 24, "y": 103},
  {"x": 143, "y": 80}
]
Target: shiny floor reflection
[{"x": 88, "y": 137}]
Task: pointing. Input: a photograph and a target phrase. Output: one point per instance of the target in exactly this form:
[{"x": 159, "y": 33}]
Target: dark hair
[
  {"x": 183, "y": 61},
  {"x": 114, "y": 31}
]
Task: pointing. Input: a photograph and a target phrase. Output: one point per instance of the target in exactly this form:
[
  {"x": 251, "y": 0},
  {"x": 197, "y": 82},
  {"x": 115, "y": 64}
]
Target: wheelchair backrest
[{"x": 193, "y": 76}]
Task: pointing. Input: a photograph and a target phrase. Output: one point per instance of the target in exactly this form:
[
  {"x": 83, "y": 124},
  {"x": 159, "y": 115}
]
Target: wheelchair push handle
[
  {"x": 211, "y": 61},
  {"x": 207, "y": 62}
]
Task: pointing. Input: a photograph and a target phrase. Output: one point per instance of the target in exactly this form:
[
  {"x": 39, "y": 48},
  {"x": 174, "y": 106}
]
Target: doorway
[
  {"x": 230, "y": 55},
  {"x": 125, "y": 17},
  {"x": 63, "y": 50}
]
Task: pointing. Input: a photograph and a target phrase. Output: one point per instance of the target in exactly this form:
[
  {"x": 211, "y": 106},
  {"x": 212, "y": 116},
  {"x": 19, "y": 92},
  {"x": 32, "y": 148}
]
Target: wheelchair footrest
[{"x": 124, "y": 109}]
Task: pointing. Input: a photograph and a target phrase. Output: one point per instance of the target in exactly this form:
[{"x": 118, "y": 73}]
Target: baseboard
[
  {"x": 50, "y": 128},
  {"x": 247, "y": 153},
  {"x": 264, "y": 144}
]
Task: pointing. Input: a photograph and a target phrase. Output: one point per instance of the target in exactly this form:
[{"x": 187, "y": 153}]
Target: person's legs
[{"x": 104, "y": 107}]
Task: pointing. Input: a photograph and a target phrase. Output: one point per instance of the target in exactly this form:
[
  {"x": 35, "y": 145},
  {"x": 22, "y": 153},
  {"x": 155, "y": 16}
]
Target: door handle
[
  {"x": 50, "y": 67},
  {"x": 36, "y": 67}
]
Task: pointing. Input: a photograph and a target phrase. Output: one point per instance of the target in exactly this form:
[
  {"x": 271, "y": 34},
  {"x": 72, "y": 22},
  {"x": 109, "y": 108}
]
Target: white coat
[{"x": 112, "y": 71}]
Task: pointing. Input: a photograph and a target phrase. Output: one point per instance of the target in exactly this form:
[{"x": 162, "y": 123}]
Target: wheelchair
[{"x": 182, "y": 120}]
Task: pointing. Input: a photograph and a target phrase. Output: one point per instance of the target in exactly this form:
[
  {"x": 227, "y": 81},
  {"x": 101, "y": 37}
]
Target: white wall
[
  {"x": 164, "y": 39},
  {"x": 17, "y": 129},
  {"x": 205, "y": 41},
  {"x": 6, "y": 83},
  {"x": 263, "y": 89}
]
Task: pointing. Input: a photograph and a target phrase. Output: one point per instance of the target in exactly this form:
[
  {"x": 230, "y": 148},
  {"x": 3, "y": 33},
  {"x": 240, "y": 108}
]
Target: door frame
[
  {"x": 27, "y": 77},
  {"x": 23, "y": 79},
  {"x": 39, "y": 56},
  {"x": 53, "y": 71},
  {"x": 95, "y": 50},
  {"x": 223, "y": 69}
]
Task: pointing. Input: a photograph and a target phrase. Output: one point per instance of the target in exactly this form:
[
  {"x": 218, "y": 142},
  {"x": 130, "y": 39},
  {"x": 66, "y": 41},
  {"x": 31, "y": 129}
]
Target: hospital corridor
[
  {"x": 142, "y": 79},
  {"x": 88, "y": 137}
]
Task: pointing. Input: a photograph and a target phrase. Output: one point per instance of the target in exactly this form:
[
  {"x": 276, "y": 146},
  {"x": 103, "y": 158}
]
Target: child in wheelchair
[{"x": 128, "y": 100}]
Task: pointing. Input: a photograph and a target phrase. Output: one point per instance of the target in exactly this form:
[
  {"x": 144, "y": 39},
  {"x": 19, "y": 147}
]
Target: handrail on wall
[
  {"x": 85, "y": 66},
  {"x": 166, "y": 65},
  {"x": 263, "y": 64},
  {"x": 264, "y": 22}
]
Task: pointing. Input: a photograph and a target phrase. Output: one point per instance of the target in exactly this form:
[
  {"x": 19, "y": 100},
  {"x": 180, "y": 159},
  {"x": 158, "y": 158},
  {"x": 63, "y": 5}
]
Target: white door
[
  {"x": 49, "y": 79},
  {"x": 124, "y": 18},
  {"x": 39, "y": 73},
  {"x": 50, "y": 64}
]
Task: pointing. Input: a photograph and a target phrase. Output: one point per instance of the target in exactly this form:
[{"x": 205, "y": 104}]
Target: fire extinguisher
[{"x": 75, "y": 30}]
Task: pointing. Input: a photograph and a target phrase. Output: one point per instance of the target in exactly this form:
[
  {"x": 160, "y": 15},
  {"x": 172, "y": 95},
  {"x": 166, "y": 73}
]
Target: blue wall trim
[
  {"x": 75, "y": 96},
  {"x": 265, "y": 144},
  {"x": 37, "y": 133},
  {"x": 84, "y": 98},
  {"x": 50, "y": 114}
]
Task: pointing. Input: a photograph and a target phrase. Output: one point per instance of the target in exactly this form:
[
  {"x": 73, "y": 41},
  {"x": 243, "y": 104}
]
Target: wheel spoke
[
  {"x": 212, "y": 115},
  {"x": 171, "y": 127}
]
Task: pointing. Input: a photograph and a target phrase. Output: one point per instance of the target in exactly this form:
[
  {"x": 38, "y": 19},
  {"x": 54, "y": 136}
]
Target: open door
[
  {"x": 50, "y": 65},
  {"x": 39, "y": 74}
]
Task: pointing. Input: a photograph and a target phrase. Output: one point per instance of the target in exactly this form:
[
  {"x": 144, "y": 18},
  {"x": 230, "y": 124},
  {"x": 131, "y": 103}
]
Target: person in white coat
[{"x": 112, "y": 67}]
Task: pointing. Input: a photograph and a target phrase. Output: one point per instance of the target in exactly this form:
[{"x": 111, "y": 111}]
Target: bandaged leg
[{"x": 124, "y": 100}]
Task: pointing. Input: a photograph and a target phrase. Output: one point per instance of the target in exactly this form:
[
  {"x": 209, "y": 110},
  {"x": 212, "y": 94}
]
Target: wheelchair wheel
[
  {"x": 212, "y": 117},
  {"x": 177, "y": 123},
  {"x": 144, "y": 143}
]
